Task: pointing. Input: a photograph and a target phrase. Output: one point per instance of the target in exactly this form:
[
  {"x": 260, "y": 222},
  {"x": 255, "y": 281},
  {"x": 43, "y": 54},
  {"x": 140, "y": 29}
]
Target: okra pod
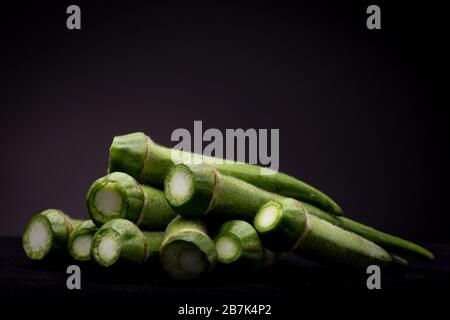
[
  {"x": 200, "y": 190},
  {"x": 385, "y": 240},
  {"x": 119, "y": 195},
  {"x": 121, "y": 241},
  {"x": 187, "y": 252},
  {"x": 286, "y": 225},
  {"x": 238, "y": 243},
  {"x": 148, "y": 162},
  {"x": 47, "y": 232},
  {"x": 80, "y": 240}
]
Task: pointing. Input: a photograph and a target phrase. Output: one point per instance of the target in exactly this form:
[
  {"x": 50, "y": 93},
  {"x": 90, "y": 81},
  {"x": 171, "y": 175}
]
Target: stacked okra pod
[{"x": 190, "y": 213}]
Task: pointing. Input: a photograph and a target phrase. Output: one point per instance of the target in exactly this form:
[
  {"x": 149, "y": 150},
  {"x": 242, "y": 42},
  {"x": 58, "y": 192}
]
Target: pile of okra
[{"x": 188, "y": 213}]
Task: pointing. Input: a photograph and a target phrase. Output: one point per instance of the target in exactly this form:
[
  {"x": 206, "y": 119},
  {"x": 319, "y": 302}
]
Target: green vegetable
[
  {"x": 121, "y": 241},
  {"x": 238, "y": 243},
  {"x": 154, "y": 241},
  {"x": 137, "y": 155},
  {"x": 47, "y": 232},
  {"x": 80, "y": 240},
  {"x": 119, "y": 195},
  {"x": 387, "y": 241},
  {"x": 200, "y": 190},
  {"x": 187, "y": 252},
  {"x": 286, "y": 225}
]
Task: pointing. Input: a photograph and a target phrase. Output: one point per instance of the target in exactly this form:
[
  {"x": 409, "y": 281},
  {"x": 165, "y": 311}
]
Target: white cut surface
[
  {"x": 38, "y": 236},
  {"x": 108, "y": 202},
  {"x": 191, "y": 262},
  {"x": 227, "y": 248},
  {"x": 180, "y": 184},
  {"x": 266, "y": 218},
  {"x": 108, "y": 248},
  {"x": 82, "y": 245}
]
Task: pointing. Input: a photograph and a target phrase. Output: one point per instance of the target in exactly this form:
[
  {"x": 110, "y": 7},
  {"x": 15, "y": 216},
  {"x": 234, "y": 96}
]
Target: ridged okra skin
[
  {"x": 156, "y": 213},
  {"x": 80, "y": 240},
  {"x": 280, "y": 223},
  {"x": 315, "y": 238},
  {"x": 385, "y": 240},
  {"x": 121, "y": 241},
  {"x": 119, "y": 195},
  {"x": 47, "y": 232},
  {"x": 154, "y": 240},
  {"x": 228, "y": 198},
  {"x": 140, "y": 157},
  {"x": 238, "y": 244},
  {"x": 329, "y": 244},
  {"x": 213, "y": 194},
  {"x": 187, "y": 252}
]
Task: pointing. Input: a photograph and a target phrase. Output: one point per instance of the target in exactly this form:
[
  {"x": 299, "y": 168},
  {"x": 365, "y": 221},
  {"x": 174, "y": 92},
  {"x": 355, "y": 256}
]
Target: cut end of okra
[
  {"x": 119, "y": 241},
  {"x": 37, "y": 238},
  {"x": 116, "y": 195},
  {"x": 268, "y": 217},
  {"x": 187, "y": 252},
  {"x": 184, "y": 260},
  {"x": 106, "y": 202},
  {"x": 280, "y": 223},
  {"x": 180, "y": 185},
  {"x": 109, "y": 201},
  {"x": 47, "y": 231},
  {"x": 80, "y": 241},
  {"x": 237, "y": 242},
  {"x": 106, "y": 247},
  {"x": 81, "y": 247},
  {"x": 228, "y": 249},
  {"x": 190, "y": 189}
]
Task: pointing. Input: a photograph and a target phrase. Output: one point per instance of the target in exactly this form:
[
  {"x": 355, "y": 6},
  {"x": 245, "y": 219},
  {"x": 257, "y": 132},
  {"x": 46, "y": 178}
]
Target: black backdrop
[{"x": 362, "y": 114}]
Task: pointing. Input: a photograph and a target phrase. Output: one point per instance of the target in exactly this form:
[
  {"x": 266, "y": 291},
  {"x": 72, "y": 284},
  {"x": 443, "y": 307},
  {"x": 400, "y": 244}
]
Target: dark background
[{"x": 362, "y": 114}]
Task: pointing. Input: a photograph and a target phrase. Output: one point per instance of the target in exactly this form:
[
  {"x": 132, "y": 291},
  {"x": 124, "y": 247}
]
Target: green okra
[
  {"x": 387, "y": 241},
  {"x": 119, "y": 195},
  {"x": 286, "y": 225},
  {"x": 238, "y": 243},
  {"x": 187, "y": 252},
  {"x": 140, "y": 157},
  {"x": 200, "y": 190},
  {"x": 121, "y": 241},
  {"x": 80, "y": 240},
  {"x": 47, "y": 232}
]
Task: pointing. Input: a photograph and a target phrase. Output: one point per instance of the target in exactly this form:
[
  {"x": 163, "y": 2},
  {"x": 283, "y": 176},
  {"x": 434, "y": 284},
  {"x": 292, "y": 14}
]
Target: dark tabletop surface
[{"x": 288, "y": 280}]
